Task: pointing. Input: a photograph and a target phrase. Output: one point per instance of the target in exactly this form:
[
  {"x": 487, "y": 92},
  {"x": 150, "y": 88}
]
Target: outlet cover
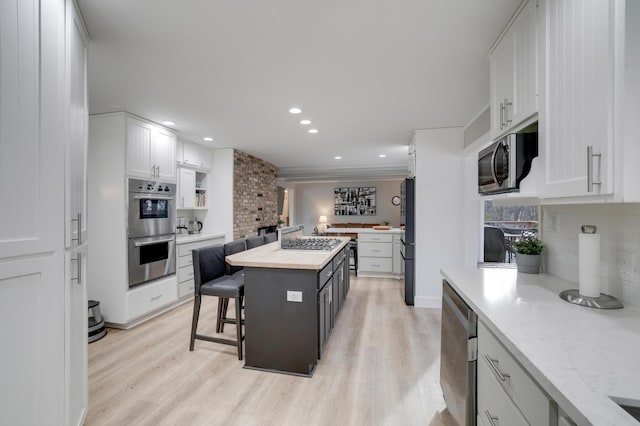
[
  {"x": 626, "y": 266},
  {"x": 294, "y": 296}
]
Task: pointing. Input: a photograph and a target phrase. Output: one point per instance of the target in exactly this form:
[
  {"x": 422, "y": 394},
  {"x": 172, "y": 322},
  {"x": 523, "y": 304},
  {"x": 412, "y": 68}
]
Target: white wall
[
  {"x": 314, "y": 199},
  {"x": 439, "y": 195},
  {"x": 619, "y": 229},
  {"x": 219, "y": 217}
]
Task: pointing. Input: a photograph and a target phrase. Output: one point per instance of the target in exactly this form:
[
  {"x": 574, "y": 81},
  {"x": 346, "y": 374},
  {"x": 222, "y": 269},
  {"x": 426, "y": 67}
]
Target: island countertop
[
  {"x": 270, "y": 256},
  {"x": 580, "y": 356}
]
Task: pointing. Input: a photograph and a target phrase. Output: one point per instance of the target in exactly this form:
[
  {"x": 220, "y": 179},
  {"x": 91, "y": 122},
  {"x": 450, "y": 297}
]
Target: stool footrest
[{"x": 218, "y": 340}]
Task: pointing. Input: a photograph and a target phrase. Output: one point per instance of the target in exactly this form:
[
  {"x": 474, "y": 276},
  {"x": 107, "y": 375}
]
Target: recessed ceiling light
[
  {"x": 295, "y": 110},
  {"x": 314, "y": 131},
  {"x": 207, "y": 139},
  {"x": 169, "y": 123},
  {"x": 382, "y": 155},
  {"x": 305, "y": 122},
  {"x": 337, "y": 157}
]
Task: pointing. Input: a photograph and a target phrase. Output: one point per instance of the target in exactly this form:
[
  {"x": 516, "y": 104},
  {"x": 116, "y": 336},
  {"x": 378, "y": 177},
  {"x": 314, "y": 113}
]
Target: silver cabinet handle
[
  {"x": 153, "y": 171},
  {"x": 501, "y": 115},
  {"x": 493, "y": 364},
  {"x": 78, "y": 219},
  {"x": 158, "y": 172},
  {"x": 154, "y": 298},
  {"x": 507, "y": 104},
  {"x": 78, "y": 261},
  {"x": 493, "y": 420},
  {"x": 590, "y": 181}
]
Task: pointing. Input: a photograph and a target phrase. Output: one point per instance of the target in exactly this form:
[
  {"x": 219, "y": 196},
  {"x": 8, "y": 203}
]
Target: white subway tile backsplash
[{"x": 619, "y": 229}]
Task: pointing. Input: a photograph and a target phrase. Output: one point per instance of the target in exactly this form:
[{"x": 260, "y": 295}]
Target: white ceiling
[{"x": 365, "y": 72}]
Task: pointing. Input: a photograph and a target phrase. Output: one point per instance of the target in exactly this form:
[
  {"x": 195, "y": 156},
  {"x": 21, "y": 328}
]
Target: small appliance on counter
[
  {"x": 181, "y": 225},
  {"x": 195, "y": 226}
]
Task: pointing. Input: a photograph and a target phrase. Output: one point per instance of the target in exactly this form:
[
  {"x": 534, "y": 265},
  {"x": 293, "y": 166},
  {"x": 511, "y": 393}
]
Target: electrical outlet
[
  {"x": 626, "y": 265},
  {"x": 553, "y": 226},
  {"x": 294, "y": 296}
]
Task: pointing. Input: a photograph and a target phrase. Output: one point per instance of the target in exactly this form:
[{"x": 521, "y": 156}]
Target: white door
[
  {"x": 191, "y": 155},
  {"x": 501, "y": 68},
  {"x": 578, "y": 97},
  {"x": 139, "y": 160},
  {"x": 77, "y": 131},
  {"x": 525, "y": 88},
  {"x": 164, "y": 145}
]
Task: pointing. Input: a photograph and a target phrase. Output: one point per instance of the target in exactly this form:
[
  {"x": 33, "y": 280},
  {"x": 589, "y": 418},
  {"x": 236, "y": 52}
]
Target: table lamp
[{"x": 323, "y": 227}]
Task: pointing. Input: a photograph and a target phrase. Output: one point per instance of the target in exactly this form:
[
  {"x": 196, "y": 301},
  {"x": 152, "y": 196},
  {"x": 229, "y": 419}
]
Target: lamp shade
[{"x": 322, "y": 219}]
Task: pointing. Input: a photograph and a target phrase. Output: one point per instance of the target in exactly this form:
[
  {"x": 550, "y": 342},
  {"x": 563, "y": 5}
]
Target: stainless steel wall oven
[{"x": 151, "y": 229}]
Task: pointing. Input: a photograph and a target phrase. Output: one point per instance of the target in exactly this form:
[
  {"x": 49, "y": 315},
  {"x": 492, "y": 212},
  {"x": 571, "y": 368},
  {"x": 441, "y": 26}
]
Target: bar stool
[{"x": 353, "y": 252}]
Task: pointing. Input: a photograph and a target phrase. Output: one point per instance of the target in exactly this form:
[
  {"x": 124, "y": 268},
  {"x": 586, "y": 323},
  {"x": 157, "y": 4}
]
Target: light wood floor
[{"x": 380, "y": 367}]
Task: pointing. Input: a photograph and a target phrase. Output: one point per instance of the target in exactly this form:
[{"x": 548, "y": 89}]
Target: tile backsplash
[{"x": 619, "y": 229}]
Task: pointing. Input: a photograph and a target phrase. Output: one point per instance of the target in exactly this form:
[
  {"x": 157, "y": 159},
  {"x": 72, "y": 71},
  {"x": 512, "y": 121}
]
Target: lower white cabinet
[
  {"x": 379, "y": 255},
  {"x": 506, "y": 392},
  {"x": 149, "y": 297},
  {"x": 185, "y": 263}
]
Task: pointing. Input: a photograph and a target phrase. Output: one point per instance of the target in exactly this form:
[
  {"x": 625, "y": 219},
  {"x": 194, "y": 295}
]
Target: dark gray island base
[{"x": 290, "y": 312}]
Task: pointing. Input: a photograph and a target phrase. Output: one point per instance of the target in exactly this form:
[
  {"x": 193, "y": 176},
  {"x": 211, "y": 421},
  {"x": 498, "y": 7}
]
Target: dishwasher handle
[{"x": 469, "y": 322}]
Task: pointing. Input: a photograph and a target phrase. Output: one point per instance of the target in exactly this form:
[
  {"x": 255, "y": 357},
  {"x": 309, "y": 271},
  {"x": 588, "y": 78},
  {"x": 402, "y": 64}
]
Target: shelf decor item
[
  {"x": 528, "y": 250},
  {"x": 355, "y": 201}
]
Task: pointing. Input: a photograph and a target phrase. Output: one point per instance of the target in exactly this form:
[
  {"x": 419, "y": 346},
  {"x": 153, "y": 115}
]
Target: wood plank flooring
[{"x": 380, "y": 367}]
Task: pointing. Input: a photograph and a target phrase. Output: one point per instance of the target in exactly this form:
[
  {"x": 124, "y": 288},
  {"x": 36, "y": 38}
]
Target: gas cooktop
[{"x": 310, "y": 244}]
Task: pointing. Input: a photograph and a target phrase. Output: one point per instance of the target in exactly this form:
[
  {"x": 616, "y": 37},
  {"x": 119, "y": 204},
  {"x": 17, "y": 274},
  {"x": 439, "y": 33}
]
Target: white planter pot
[{"x": 528, "y": 263}]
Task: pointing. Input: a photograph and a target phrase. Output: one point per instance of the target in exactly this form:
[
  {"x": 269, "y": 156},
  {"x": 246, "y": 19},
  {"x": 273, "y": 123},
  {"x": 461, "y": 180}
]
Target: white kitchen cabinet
[
  {"x": 376, "y": 253},
  {"x": 581, "y": 58},
  {"x": 513, "y": 72},
  {"x": 186, "y": 188},
  {"x": 37, "y": 385},
  {"x": 506, "y": 392},
  {"x": 197, "y": 156},
  {"x": 151, "y": 151},
  {"x": 185, "y": 263},
  {"x": 398, "y": 263}
]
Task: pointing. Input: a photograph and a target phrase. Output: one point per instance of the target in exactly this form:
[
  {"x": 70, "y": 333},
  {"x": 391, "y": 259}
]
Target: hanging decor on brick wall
[{"x": 356, "y": 201}]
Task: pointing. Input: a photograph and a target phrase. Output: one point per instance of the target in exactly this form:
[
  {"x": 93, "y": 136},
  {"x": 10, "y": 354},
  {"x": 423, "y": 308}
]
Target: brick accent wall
[{"x": 255, "y": 194}]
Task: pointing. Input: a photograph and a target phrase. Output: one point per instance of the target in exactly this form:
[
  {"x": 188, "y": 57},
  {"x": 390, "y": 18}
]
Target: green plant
[{"x": 529, "y": 245}]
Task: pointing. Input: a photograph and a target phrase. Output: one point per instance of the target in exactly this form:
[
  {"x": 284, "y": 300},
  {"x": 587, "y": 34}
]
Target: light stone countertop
[
  {"x": 269, "y": 256},
  {"x": 580, "y": 356},
  {"x": 363, "y": 231},
  {"x": 192, "y": 238}
]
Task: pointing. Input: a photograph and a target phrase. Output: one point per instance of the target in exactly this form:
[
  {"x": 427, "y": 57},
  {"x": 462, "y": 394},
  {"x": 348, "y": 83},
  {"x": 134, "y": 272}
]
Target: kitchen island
[
  {"x": 292, "y": 299},
  {"x": 580, "y": 358}
]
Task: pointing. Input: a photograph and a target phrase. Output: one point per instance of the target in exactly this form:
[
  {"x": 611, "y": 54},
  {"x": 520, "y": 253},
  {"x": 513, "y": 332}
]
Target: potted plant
[{"x": 528, "y": 251}]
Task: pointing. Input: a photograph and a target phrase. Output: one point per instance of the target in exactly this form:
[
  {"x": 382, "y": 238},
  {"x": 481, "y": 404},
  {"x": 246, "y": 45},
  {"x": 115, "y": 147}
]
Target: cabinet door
[
  {"x": 525, "y": 86},
  {"x": 206, "y": 158},
  {"x": 187, "y": 188},
  {"x": 164, "y": 154},
  {"x": 139, "y": 161},
  {"x": 76, "y": 336},
  {"x": 321, "y": 323},
  {"x": 397, "y": 258},
  {"x": 191, "y": 155},
  {"x": 77, "y": 131},
  {"x": 501, "y": 81},
  {"x": 578, "y": 97}
]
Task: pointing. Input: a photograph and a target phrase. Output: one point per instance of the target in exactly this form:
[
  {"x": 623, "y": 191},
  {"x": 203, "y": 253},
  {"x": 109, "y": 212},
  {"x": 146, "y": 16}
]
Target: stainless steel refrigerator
[{"x": 408, "y": 218}]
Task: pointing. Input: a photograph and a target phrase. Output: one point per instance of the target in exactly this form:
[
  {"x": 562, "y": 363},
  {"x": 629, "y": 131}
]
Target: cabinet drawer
[
  {"x": 516, "y": 382},
  {"x": 325, "y": 274},
  {"x": 185, "y": 273},
  {"x": 494, "y": 402},
  {"x": 185, "y": 261},
  {"x": 374, "y": 264},
  {"x": 151, "y": 296},
  {"x": 375, "y": 238},
  {"x": 185, "y": 249},
  {"x": 186, "y": 288},
  {"x": 375, "y": 249}
]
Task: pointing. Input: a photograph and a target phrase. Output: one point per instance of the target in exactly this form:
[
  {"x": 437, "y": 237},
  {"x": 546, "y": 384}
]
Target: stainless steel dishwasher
[{"x": 458, "y": 355}]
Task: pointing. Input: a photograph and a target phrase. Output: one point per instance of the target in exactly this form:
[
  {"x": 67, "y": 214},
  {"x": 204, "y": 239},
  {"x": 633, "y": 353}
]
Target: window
[{"x": 504, "y": 225}]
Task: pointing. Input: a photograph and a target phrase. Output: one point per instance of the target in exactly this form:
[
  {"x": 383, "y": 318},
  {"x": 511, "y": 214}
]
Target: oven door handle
[
  {"x": 148, "y": 243},
  {"x": 152, "y": 197}
]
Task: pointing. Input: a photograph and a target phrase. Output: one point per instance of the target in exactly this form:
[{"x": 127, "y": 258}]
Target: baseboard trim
[{"x": 428, "y": 302}]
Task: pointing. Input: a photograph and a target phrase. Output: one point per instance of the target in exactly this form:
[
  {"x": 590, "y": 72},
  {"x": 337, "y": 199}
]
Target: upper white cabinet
[
  {"x": 513, "y": 68},
  {"x": 578, "y": 118},
  {"x": 194, "y": 155},
  {"x": 186, "y": 188},
  {"x": 151, "y": 151}
]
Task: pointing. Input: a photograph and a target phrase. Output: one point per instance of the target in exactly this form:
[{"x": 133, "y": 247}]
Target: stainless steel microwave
[{"x": 503, "y": 164}]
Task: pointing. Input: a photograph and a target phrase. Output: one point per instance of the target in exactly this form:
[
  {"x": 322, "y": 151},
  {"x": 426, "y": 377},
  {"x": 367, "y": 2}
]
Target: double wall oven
[{"x": 151, "y": 230}]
